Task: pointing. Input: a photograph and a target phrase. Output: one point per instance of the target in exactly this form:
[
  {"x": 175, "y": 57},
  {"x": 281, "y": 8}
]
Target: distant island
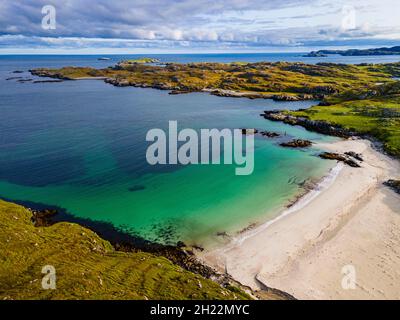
[{"x": 357, "y": 52}]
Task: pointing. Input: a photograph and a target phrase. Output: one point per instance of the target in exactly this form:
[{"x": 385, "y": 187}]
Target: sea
[{"x": 80, "y": 147}]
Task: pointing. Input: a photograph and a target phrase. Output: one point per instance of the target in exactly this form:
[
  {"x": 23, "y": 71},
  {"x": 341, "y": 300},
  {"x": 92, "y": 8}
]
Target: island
[{"x": 385, "y": 51}]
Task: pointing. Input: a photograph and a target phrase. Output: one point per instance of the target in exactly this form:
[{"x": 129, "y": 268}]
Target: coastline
[{"x": 354, "y": 221}]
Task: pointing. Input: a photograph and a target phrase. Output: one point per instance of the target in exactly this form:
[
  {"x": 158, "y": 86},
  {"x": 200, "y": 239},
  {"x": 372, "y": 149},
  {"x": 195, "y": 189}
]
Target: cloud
[{"x": 251, "y": 24}]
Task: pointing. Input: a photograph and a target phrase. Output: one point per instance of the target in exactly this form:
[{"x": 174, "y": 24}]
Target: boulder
[
  {"x": 354, "y": 155},
  {"x": 269, "y": 134},
  {"x": 297, "y": 143},
  {"x": 394, "y": 184},
  {"x": 340, "y": 157}
]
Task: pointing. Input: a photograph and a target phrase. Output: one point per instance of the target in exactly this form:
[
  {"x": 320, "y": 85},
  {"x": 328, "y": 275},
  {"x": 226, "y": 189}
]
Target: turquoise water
[{"x": 80, "y": 145}]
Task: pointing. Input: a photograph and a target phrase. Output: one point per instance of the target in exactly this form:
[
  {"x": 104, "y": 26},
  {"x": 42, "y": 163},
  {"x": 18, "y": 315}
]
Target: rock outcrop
[
  {"x": 340, "y": 157},
  {"x": 269, "y": 134},
  {"x": 354, "y": 155},
  {"x": 297, "y": 143},
  {"x": 312, "y": 125},
  {"x": 393, "y": 184}
]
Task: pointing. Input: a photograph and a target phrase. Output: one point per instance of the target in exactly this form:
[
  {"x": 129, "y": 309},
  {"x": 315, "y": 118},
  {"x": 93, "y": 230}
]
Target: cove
[{"x": 80, "y": 145}]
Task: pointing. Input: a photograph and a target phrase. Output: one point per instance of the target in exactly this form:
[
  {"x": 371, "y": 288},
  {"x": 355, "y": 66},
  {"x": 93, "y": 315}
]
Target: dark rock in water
[
  {"x": 297, "y": 143},
  {"x": 136, "y": 188},
  {"x": 180, "y": 244},
  {"x": 17, "y": 71},
  {"x": 340, "y": 157},
  {"x": 47, "y": 81},
  {"x": 249, "y": 131},
  {"x": 312, "y": 125},
  {"x": 332, "y": 156},
  {"x": 25, "y": 80},
  {"x": 354, "y": 155},
  {"x": 197, "y": 247},
  {"x": 222, "y": 234},
  {"x": 394, "y": 184},
  {"x": 269, "y": 134},
  {"x": 174, "y": 92}
]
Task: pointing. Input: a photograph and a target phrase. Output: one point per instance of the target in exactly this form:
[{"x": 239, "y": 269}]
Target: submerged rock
[
  {"x": 48, "y": 81},
  {"x": 297, "y": 143},
  {"x": 136, "y": 188},
  {"x": 13, "y": 78},
  {"x": 174, "y": 92},
  {"x": 25, "y": 80},
  {"x": 269, "y": 134}
]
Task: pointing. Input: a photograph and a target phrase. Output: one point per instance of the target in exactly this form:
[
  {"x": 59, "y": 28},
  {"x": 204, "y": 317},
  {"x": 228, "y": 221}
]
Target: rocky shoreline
[
  {"x": 316, "y": 126},
  {"x": 180, "y": 254},
  {"x": 253, "y": 95},
  {"x": 280, "y": 81},
  {"x": 393, "y": 184},
  {"x": 178, "y": 89}
]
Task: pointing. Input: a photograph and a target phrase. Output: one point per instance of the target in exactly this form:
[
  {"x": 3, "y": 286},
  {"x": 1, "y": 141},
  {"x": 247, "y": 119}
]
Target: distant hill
[{"x": 357, "y": 52}]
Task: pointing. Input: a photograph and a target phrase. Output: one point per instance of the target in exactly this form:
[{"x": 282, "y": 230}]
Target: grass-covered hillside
[
  {"x": 87, "y": 267},
  {"x": 372, "y": 112}
]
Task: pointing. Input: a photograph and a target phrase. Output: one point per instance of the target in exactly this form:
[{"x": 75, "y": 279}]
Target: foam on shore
[{"x": 325, "y": 183}]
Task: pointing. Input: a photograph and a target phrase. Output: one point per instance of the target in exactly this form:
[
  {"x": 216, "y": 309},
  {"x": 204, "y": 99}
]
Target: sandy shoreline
[{"x": 354, "y": 221}]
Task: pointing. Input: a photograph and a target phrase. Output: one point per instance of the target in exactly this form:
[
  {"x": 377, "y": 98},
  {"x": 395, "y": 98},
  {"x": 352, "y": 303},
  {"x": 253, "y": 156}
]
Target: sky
[{"x": 195, "y": 26}]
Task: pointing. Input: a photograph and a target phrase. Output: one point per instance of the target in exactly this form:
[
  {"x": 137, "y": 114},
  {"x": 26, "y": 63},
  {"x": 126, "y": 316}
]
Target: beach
[{"x": 351, "y": 221}]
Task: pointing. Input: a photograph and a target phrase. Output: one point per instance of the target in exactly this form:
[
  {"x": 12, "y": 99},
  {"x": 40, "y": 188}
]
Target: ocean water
[{"x": 80, "y": 146}]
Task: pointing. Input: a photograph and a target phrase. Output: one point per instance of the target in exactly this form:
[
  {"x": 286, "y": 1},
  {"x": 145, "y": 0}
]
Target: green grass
[
  {"x": 88, "y": 267},
  {"x": 141, "y": 60},
  {"x": 378, "y": 117},
  {"x": 262, "y": 77}
]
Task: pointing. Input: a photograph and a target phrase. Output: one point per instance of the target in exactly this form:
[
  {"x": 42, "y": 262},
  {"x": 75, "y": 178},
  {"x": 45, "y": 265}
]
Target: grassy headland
[
  {"x": 87, "y": 266},
  {"x": 280, "y": 80},
  {"x": 374, "y": 113}
]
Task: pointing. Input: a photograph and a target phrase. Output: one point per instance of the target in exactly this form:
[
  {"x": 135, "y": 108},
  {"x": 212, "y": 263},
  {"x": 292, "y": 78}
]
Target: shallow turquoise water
[{"x": 81, "y": 146}]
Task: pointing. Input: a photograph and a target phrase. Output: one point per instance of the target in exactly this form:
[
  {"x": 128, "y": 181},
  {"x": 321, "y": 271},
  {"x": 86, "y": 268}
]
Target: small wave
[{"x": 325, "y": 183}]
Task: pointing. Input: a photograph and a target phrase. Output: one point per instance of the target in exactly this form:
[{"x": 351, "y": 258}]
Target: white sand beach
[{"x": 354, "y": 221}]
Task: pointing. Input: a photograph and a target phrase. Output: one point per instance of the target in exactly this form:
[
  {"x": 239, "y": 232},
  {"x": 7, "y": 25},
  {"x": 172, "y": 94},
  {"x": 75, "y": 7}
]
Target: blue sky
[{"x": 165, "y": 26}]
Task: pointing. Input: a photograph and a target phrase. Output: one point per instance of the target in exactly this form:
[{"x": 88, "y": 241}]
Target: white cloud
[{"x": 214, "y": 24}]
